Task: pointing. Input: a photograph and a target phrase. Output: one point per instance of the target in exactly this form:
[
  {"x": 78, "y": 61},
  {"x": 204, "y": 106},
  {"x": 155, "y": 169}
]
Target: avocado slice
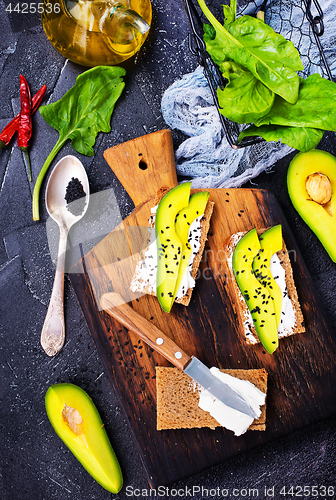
[
  {"x": 76, "y": 420},
  {"x": 271, "y": 243},
  {"x": 320, "y": 217},
  {"x": 169, "y": 245},
  {"x": 257, "y": 296},
  {"x": 184, "y": 219}
]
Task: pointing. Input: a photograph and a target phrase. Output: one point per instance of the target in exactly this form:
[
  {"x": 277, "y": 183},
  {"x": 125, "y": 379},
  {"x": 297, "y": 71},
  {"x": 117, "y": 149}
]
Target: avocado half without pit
[
  {"x": 77, "y": 422},
  {"x": 311, "y": 181}
]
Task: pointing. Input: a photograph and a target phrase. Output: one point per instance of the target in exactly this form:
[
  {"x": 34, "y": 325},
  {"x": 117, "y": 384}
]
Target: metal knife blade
[{"x": 203, "y": 376}]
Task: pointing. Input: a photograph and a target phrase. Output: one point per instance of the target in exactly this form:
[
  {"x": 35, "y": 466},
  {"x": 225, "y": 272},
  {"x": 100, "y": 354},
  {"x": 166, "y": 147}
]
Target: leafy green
[
  {"x": 230, "y": 13},
  {"x": 80, "y": 114},
  {"x": 315, "y": 108},
  {"x": 213, "y": 48},
  {"x": 300, "y": 125},
  {"x": 250, "y": 56},
  {"x": 244, "y": 99},
  {"x": 302, "y": 138},
  {"x": 254, "y": 45}
]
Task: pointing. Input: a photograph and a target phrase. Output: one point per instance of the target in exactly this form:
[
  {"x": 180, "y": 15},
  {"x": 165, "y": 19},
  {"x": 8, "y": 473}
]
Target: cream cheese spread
[
  {"x": 226, "y": 416},
  {"x": 145, "y": 274}
]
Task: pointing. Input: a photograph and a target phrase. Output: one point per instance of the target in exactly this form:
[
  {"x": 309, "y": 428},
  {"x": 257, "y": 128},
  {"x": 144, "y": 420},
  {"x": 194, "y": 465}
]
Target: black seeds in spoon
[{"x": 75, "y": 193}]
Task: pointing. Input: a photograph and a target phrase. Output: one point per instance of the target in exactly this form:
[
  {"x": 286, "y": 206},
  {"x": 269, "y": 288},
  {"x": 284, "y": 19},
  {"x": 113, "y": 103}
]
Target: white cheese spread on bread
[
  {"x": 226, "y": 416},
  {"x": 145, "y": 274}
]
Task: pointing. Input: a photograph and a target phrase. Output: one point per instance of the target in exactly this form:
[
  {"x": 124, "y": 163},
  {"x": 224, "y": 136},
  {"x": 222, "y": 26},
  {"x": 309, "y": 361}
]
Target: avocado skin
[
  {"x": 169, "y": 246},
  {"x": 257, "y": 297},
  {"x": 315, "y": 216},
  {"x": 92, "y": 448},
  {"x": 271, "y": 243}
]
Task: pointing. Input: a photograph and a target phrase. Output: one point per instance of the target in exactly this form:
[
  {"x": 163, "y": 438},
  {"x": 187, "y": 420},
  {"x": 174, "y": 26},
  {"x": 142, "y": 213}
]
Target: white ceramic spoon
[{"x": 53, "y": 331}]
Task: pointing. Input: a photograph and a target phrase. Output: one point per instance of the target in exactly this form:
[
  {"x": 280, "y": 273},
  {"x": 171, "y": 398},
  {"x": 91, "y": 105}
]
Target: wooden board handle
[
  {"x": 115, "y": 305},
  {"x": 144, "y": 165}
]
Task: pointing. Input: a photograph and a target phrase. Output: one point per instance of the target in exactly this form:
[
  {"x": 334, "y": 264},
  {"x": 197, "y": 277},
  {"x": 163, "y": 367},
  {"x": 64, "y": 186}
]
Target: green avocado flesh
[
  {"x": 169, "y": 245},
  {"x": 76, "y": 420},
  {"x": 320, "y": 218},
  {"x": 271, "y": 243},
  {"x": 257, "y": 296},
  {"x": 184, "y": 219}
]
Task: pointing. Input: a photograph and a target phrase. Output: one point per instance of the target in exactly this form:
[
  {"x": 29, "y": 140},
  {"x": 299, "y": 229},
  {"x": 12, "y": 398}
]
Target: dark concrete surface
[{"x": 35, "y": 464}]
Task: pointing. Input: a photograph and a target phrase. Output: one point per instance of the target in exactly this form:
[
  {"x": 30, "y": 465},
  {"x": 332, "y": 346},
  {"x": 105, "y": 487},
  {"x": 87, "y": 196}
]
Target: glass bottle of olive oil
[{"x": 97, "y": 32}]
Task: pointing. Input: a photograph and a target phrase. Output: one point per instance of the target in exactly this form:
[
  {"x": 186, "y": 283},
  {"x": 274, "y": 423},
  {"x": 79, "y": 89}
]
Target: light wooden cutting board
[{"x": 302, "y": 372}]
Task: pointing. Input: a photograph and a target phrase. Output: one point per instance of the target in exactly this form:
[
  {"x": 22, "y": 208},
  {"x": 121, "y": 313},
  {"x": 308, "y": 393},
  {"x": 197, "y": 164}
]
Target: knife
[{"x": 115, "y": 305}]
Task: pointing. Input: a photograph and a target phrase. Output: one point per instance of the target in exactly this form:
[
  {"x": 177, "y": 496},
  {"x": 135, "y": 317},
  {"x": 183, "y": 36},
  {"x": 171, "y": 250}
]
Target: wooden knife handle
[
  {"x": 145, "y": 164},
  {"x": 115, "y": 305}
]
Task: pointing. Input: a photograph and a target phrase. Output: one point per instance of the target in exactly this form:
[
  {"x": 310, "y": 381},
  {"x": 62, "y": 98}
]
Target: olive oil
[{"x": 95, "y": 32}]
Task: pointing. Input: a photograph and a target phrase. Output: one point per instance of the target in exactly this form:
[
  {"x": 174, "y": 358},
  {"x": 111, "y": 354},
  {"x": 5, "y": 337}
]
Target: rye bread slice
[{"x": 178, "y": 397}]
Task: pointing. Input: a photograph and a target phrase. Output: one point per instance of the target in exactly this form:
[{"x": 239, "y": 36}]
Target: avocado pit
[
  {"x": 318, "y": 187},
  {"x": 73, "y": 419}
]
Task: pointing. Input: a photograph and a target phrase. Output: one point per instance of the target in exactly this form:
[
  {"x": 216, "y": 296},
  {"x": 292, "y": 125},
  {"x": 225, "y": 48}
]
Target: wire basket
[{"x": 292, "y": 18}]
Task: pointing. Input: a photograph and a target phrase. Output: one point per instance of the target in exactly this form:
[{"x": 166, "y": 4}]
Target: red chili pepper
[
  {"x": 13, "y": 126},
  {"x": 25, "y": 126}
]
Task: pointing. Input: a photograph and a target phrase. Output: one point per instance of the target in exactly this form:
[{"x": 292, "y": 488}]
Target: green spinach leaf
[
  {"x": 244, "y": 99},
  {"x": 302, "y": 138},
  {"x": 254, "y": 45},
  {"x": 230, "y": 13},
  {"x": 315, "y": 108},
  {"x": 80, "y": 114}
]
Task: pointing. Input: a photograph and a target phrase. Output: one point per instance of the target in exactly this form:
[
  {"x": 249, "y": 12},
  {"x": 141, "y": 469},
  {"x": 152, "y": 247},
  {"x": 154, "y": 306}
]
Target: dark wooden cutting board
[{"x": 301, "y": 373}]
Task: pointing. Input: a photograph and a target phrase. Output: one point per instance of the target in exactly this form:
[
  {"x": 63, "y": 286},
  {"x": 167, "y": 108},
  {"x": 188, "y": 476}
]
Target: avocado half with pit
[
  {"x": 257, "y": 296},
  {"x": 311, "y": 181},
  {"x": 77, "y": 422}
]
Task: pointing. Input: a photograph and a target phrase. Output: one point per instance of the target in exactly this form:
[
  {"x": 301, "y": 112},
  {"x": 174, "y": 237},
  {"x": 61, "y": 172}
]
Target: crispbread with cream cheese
[
  {"x": 138, "y": 284},
  {"x": 290, "y": 293},
  {"x": 178, "y": 397}
]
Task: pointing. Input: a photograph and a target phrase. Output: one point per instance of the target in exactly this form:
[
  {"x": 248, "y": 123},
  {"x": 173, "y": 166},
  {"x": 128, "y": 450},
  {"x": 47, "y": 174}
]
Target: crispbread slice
[
  {"x": 178, "y": 398},
  {"x": 139, "y": 285},
  {"x": 245, "y": 319}
]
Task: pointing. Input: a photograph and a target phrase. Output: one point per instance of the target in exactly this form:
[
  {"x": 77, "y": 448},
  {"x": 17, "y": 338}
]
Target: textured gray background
[{"x": 34, "y": 462}]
